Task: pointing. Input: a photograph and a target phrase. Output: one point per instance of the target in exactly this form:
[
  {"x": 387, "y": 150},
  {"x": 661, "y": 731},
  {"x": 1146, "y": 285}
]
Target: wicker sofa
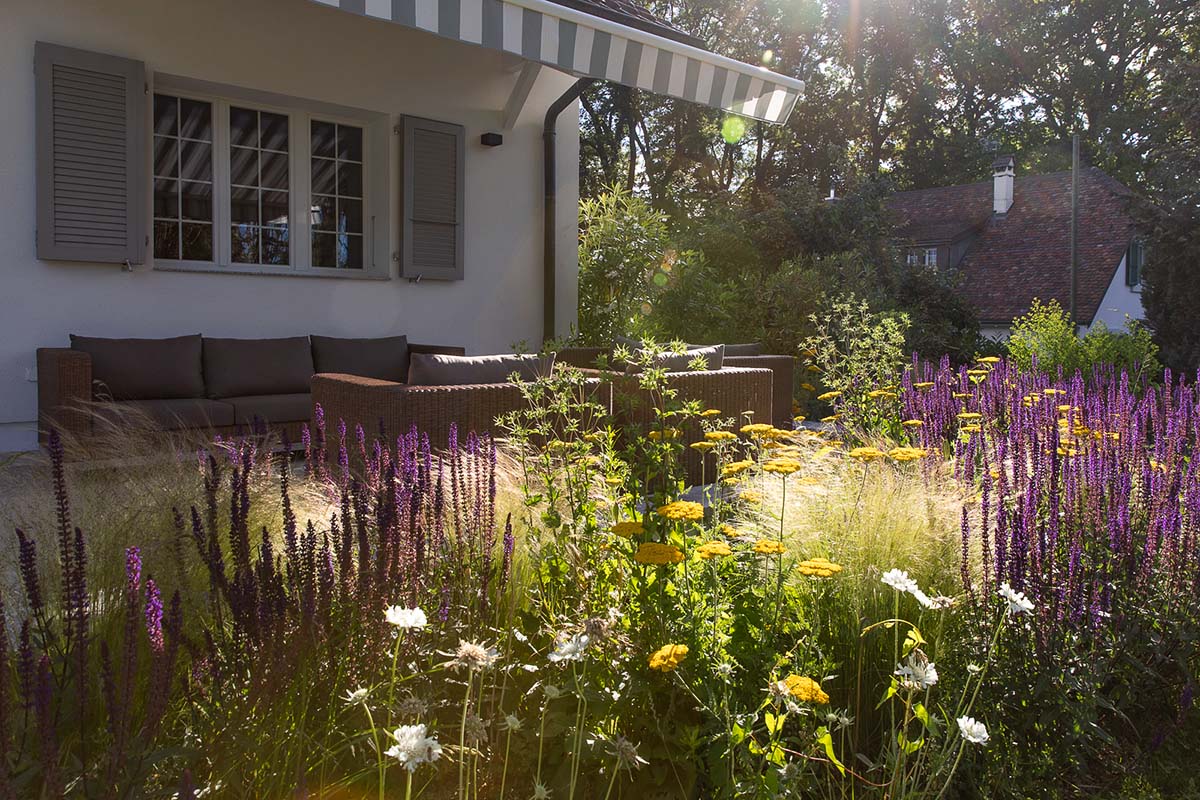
[
  {"x": 220, "y": 386},
  {"x": 741, "y": 356}
]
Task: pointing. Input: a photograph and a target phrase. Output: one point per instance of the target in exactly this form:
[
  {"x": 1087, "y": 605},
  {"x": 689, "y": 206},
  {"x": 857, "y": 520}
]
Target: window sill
[{"x": 281, "y": 272}]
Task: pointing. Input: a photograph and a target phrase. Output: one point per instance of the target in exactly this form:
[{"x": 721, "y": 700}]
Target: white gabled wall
[
  {"x": 301, "y": 49},
  {"x": 1120, "y": 302}
]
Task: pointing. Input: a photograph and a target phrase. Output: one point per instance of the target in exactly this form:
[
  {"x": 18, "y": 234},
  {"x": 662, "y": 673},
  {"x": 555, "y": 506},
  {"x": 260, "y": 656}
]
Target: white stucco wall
[
  {"x": 1120, "y": 302},
  {"x": 301, "y": 49}
]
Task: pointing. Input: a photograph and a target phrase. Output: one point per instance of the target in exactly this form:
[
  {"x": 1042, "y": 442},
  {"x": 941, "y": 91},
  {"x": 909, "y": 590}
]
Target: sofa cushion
[
  {"x": 427, "y": 369},
  {"x": 144, "y": 369},
  {"x": 169, "y": 413},
  {"x": 244, "y": 367},
  {"x": 385, "y": 359},
  {"x": 748, "y": 349},
  {"x": 272, "y": 408},
  {"x": 713, "y": 355}
]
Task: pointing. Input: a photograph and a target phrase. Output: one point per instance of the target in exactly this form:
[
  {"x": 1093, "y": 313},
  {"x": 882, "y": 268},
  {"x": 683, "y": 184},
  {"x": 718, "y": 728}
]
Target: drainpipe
[{"x": 549, "y": 251}]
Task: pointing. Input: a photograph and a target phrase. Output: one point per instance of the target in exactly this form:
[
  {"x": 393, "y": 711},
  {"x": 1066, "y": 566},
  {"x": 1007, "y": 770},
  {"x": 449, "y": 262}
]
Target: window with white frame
[
  {"x": 922, "y": 257},
  {"x": 264, "y": 186}
]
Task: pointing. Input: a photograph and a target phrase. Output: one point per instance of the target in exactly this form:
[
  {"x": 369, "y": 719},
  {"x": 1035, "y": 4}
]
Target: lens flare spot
[{"x": 733, "y": 129}]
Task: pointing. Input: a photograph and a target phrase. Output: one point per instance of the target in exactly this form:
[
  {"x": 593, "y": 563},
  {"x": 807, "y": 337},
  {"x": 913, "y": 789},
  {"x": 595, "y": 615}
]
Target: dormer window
[{"x": 922, "y": 257}]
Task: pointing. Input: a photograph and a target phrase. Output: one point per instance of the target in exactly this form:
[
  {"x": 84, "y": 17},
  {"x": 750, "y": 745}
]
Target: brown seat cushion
[
  {"x": 244, "y": 367},
  {"x": 169, "y": 413},
  {"x": 426, "y": 369},
  {"x": 144, "y": 369},
  {"x": 385, "y": 359},
  {"x": 273, "y": 408},
  {"x": 714, "y": 357}
]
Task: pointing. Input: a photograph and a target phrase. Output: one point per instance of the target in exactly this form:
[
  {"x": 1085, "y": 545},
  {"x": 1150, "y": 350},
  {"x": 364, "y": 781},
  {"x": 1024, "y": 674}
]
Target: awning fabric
[{"x": 581, "y": 44}]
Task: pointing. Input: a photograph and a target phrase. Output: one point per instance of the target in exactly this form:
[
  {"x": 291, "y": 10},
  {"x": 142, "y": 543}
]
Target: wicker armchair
[
  {"x": 783, "y": 368},
  {"x": 733, "y": 390}
]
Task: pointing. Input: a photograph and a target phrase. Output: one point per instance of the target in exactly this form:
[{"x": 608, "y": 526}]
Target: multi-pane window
[
  {"x": 183, "y": 179},
  {"x": 258, "y": 194},
  {"x": 337, "y": 195},
  {"x": 922, "y": 257},
  {"x": 263, "y": 184}
]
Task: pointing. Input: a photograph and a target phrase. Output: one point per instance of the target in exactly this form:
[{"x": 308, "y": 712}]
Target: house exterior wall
[
  {"x": 1120, "y": 301},
  {"x": 300, "y": 49}
]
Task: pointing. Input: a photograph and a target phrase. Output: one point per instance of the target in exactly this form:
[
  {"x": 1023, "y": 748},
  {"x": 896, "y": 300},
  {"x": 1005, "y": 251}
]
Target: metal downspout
[{"x": 550, "y": 199}]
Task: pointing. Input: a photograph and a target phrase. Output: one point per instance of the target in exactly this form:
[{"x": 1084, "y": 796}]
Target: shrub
[
  {"x": 623, "y": 260},
  {"x": 1045, "y": 339}
]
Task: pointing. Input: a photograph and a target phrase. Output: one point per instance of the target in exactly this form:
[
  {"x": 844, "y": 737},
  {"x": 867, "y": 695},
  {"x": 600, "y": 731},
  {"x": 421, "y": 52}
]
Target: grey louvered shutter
[
  {"x": 91, "y": 156},
  {"x": 432, "y": 227}
]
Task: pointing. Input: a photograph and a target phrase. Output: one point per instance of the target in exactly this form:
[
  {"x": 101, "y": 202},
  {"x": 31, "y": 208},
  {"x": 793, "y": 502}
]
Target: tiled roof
[
  {"x": 1026, "y": 253},
  {"x": 633, "y": 14}
]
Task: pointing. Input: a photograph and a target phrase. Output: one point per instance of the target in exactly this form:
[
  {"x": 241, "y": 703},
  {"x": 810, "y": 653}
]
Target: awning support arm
[{"x": 549, "y": 249}]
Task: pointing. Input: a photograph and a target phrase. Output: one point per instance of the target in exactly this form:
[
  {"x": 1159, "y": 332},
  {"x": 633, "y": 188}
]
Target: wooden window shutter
[
  {"x": 91, "y": 156},
  {"x": 432, "y": 227}
]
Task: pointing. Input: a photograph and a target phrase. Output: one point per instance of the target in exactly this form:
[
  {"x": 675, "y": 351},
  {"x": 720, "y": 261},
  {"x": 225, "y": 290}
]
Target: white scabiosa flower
[
  {"x": 898, "y": 579},
  {"x": 401, "y": 617},
  {"x": 918, "y": 672},
  {"x": 972, "y": 730},
  {"x": 540, "y": 792},
  {"x": 356, "y": 697},
  {"x": 413, "y": 748},
  {"x": 1018, "y": 603},
  {"x": 474, "y": 656},
  {"x": 569, "y": 648}
]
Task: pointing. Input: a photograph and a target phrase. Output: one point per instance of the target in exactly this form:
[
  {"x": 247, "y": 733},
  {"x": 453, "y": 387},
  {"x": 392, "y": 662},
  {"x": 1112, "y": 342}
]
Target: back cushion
[
  {"x": 144, "y": 369},
  {"x": 241, "y": 367},
  {"x": 427, "y": 369},
  {"x": 385, "y": 359},
  {"x": 714, "y": 358},
  {"x": 748, "y": 349}
]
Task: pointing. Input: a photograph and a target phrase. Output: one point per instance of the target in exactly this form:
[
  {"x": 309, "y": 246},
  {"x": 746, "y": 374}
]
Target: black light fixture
[{"x": 491, "y": 140}]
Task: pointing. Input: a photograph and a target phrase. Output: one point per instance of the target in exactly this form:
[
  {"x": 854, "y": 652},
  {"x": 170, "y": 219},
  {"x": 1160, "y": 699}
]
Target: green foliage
[
  {"x": 1045, "y": 339},
  {"x": 623, "y": 259},
  {"x": 859, "y": 353}
]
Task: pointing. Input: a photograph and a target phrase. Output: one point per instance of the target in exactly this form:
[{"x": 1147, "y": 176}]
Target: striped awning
[{"x": 580, "y": 44}]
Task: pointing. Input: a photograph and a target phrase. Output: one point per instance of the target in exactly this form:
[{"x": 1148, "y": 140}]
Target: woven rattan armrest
[{"x": 64, "y": 391}]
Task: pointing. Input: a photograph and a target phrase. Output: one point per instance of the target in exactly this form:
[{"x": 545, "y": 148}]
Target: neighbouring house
[
  {"x": 352, "y": 168},
  {"x": 1008, "y": 240}
]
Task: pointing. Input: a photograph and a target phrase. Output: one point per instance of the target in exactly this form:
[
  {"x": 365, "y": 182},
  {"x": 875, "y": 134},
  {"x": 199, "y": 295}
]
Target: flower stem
[{"x": 462, "y": 739}]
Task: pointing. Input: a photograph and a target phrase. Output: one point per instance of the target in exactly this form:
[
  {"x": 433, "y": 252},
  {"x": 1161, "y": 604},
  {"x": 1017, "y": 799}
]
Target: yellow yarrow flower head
[
  {"x": 806, "y": 690},
  {"x": 907, "y": 453},
  {"x": 866, "y": 453},
  {"x": 703, "y": 447},
  {"x": 923, "y": 385},
  {"x": 668, "y": 657},
  {"x": 782, "y": 466},
  {"x": 613, "y": 480},
  {"x": 751, "y": 496},
  {"x": 667, "y": 434},
  {"x": 962, "y": 395},
  {"x": 735, "y": 468},
  {"x": 769, "y": 547},
  {"x": 827, "y": 396},
  {"x": 657, "y": 553},
  {"x": 831, "y": 418},
  {"x": 711, "y": 412},
  {"x": 808, "y": 387},
  {"x": 912, "y": 423},
  {"x": 628, "y": 528},
  {"x": 757, "y": 428},
  {"x": 728, "y": 530},
  {"x": 988, "y": 359},
  {"x": 720, "y": 436},
  {"x": 972, "y": 415},
  {"x": 682, "y": 511},
  {"x": 713, "y": 550},
  {"x": 818, "y": 568}
]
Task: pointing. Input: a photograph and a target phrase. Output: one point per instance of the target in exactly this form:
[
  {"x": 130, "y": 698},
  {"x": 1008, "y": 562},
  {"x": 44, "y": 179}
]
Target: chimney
[{"x": 1003, "y": 171}]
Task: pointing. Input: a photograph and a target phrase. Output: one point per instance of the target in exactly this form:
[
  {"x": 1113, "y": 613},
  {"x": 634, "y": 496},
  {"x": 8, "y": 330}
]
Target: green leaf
[
  {"x": 737, "y": 734},
  {"x": 921, "y": 713},
  {"x": 907, "y": 746},
  {"x": 774, "y": 722},
  {"x": 825, "y": 739}
]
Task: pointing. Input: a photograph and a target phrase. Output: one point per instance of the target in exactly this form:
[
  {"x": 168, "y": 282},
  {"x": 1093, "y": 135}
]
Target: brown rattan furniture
[
  {"x": 783, "y": 369},
  {"x": 75, "y": 400}
]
